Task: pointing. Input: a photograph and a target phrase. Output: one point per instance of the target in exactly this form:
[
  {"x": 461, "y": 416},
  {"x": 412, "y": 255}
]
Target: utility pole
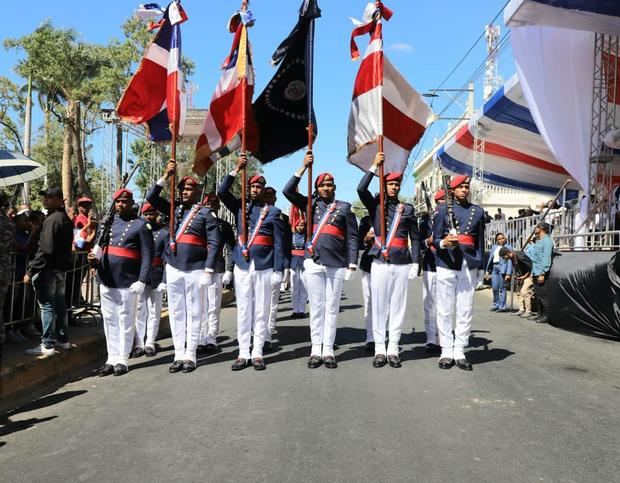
[{"x": 28, "y": 134}]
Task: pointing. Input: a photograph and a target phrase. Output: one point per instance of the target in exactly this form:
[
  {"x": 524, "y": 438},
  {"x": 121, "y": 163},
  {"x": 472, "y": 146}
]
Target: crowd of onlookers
[{"x": 36, "y": 251}]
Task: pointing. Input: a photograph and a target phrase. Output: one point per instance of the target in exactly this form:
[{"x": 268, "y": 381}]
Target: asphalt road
[{"x": 541, "y": 405}]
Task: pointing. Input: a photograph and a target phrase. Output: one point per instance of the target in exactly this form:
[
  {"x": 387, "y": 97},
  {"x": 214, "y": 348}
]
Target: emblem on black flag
[{"x": 283, "y": 109}]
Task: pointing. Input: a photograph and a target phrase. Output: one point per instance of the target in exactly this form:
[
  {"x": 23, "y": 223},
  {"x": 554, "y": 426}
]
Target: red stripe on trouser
[{"x": 298, "y": 253}]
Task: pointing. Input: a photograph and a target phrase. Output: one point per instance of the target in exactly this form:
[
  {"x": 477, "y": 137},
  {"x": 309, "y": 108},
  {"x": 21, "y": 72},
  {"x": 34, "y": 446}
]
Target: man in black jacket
[{"x": 46, "y": 272}]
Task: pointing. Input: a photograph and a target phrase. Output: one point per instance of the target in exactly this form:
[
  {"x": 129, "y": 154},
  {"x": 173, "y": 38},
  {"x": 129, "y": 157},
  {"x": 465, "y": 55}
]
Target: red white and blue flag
[
  {"x": 384, "y": 104},
  {"x": 155, "y": 95},
  {"x": 231, "y": 105}
]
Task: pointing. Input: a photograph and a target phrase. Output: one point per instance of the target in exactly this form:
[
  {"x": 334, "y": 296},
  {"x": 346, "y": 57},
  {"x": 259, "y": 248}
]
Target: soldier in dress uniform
[
  {"x": 270, "y": 198},
  {"x": 149, "y": 304},
  {"x": 190, "y": 264},
  {"x": 394, "y": 263},
  {"x": 459, "y": 256},
  {"x": 299, "y": 295},
  {"x": 223, "y": 275},
  {"x": 123, "y": 270},
  {"x": 429, "y": 276},
  {"x": 331, "y": 258},
  {"x": 366, "y": 236},
  {"x": 259, "y": 264}
]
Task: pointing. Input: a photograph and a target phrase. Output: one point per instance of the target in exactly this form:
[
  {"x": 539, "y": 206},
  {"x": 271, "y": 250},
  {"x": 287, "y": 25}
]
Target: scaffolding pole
[{"x": 603, "y": 120}]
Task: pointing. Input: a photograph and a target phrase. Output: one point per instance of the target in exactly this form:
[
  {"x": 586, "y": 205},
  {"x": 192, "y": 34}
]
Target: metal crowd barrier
[{"x": 81, "y": 293}]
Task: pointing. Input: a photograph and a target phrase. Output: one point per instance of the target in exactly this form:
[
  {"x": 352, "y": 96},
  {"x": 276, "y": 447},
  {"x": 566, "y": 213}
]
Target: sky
[{"x": 425, "y": 39}]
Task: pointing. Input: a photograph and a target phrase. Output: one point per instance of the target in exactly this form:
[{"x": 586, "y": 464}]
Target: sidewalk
[{"x": 24, "y": 378}]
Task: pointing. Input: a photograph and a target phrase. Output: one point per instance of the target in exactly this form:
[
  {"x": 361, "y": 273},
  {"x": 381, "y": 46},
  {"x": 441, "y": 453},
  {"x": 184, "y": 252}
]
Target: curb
[{"x": 31, "y": 378}]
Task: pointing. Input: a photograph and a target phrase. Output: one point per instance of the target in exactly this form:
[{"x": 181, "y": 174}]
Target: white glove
[
  {"x": 287, "y": 275},
  {"x": 137, "y": 287},
  {"x": 276, "y": 279},
  {"x": 414, "y": 270},
  {"x": 205, "y": 279},
  {"x": 161, "y": 288},
  {"x": 349, "y": 275},
  {"x": 227, "y": 278},
  {"x": 97, "y": 251}
]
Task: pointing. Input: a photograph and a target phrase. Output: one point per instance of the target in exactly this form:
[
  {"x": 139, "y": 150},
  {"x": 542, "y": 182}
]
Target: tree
[
  {"x": 11, "y": 107},
  {"x": 64, "y": 70}
]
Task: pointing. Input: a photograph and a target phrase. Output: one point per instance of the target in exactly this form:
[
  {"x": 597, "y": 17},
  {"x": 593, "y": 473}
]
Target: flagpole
[
  {"x": 382, "y": 194},
  {"x": 244, "y": 173},
  {"x": 173, "y": 178},
  {"x": 309, "y": 96},
  {"x": 378, "y": 4}
]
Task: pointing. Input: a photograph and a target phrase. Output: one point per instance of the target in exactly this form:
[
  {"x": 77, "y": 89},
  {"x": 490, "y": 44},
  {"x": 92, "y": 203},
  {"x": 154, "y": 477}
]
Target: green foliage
[{"x": 12, "y": 104}]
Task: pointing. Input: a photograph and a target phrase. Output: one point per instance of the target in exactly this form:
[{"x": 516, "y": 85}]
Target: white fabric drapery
[{"x": 555, "y": 69}]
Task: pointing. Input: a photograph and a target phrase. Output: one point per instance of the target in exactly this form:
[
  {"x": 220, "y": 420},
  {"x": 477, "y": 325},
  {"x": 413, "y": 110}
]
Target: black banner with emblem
[{"x": 284, "y": 107}]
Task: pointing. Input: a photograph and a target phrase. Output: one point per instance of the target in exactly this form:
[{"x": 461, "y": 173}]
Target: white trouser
[
  {"x": 186, "y": 304},
  {"x": 324, "y": 285},
  {"x": 455, "y": 286},
  {"x": 253, "y": 292},
  {"x": 429, "y": 301},
  {"x": 388, "y": 288},
  {"x": 367, "y": 306},
  {"x": 273, "y": 310},
  {"x": 147, "y": 318},
  {"x": 299, "y": 295},
  {"x": 210, "y": 323},
  {"x": 118, "y": 306}
]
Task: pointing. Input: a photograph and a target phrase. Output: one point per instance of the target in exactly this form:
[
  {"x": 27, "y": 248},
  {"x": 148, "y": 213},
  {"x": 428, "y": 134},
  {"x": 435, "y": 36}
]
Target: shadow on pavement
[{"x": 9, "y": 427}]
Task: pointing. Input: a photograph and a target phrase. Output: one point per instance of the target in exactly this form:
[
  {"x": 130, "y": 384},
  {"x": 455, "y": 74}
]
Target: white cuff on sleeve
[
  {"x": 161, "y": 182},
  {"x": 373, "y": 169}
]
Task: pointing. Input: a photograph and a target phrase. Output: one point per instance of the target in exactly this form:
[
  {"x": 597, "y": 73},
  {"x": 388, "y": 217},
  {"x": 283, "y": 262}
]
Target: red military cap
[
  {"x": 84, "y": 199},
  {"x": 187, "y": 180},
  {"x": 257, "y": 179},
  {"x": 459, "y": 180},
  {"x": 121, "y": 192},
  {"x": 393, "y": 176},
  {"x": 321, "y": 177},
  {"x": 147, "y": 207},
  {"x": 440, "y": 195}
]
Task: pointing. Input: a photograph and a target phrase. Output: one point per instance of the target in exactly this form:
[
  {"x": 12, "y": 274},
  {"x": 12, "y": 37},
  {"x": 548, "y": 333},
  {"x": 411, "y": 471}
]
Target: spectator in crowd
[
  {"x": 6, "y": 272},
  {"x": 36, "y": 220},
  {"x": 499, "y": 270},
  {"x": 487, "y": 217},
  {"x": 10, "y": 213},
  {"x": 521, "y": 213},
  {"x": 84, "y": 238},
  {"x": 47, "y": 273},
  {"x": 24, "y": 244},
  {"x": 541, "y": 265},
  {"x": 499, "y": 215},
  {"x": 84, "y": 205},
  {"x": 523, "y": 274}
]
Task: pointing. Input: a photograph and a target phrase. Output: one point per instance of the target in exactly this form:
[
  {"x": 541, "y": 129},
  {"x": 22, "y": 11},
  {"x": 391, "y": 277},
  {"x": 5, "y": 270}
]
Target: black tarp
[{"x": 584, "y": 292}]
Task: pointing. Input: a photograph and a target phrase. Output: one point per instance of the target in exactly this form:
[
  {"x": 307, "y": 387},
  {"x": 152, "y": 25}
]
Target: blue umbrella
[{"x": 16, "y": 168}]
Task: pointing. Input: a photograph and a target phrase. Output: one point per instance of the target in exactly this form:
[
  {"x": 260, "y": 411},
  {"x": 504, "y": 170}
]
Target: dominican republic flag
[
  {"x": 231, "y": 104},
  {"x": 284, "y": 109},
  {"x": 155, "y": 95},
  {"x": 383, "y": 102}
]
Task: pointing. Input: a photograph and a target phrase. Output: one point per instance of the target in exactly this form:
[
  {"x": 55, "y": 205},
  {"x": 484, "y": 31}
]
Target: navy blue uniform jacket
[
  {"x": 264, "y": 256},
  {"x": 127, "y": 237},
  {"x": 203, "y": 229},
  {"x": 366, "y": 258},
  {"x": 330, "y": 250},
  {"x": 407, "y": 228},
  {"x": 469, "y": 221},
  {"x": 429, "y": 263},
  {"x": 298, "y": 244},
  {"x": 161, "y": 235}
]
